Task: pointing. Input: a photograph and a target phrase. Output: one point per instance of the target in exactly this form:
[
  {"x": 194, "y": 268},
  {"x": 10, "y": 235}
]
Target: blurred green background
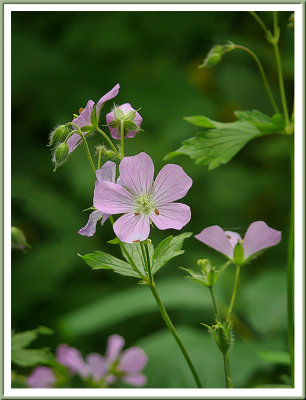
[{"x": 62, "y": 59}]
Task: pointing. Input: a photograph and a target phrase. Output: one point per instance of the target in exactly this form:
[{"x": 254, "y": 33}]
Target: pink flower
[
  {"x": 84, "y": 119},
  {"x": 142, "y": 200},
  {"x": 106, "y": 173},
  {"x": 129, "y": 363},
  {"x": 95, "y": 365},
  {"x": 41, "y": 377},
  {"x": 131, "y": 119},
  {"x": 259, "y": 236}
]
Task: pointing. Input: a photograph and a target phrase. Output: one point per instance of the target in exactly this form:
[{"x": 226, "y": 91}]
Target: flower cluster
[{"x": 103, "y": 371}]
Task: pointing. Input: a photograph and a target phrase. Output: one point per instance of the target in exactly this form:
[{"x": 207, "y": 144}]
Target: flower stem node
[
  {"x": 222, "y": 334},
  {"x": 58, "y": 135},
  {"x": 61, "y": 155}
]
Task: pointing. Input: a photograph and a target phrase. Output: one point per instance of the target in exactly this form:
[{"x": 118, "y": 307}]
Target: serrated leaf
[
  {"x": 200, "y": 120},
  {"x": 265, "y": 124},
  {"x": 135, "y": 252},
  {"x": 23, "y": 339},
  {"x": 168, "y": 249},
  {"x": 217, "y": 146},
  {"x": 31, "y": 357},
  {"x": 101, "y": 260}
]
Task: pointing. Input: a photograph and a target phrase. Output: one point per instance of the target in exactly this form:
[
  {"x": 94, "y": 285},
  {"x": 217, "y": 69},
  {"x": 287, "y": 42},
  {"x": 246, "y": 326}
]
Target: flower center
[{"x": 144, "y": 204}]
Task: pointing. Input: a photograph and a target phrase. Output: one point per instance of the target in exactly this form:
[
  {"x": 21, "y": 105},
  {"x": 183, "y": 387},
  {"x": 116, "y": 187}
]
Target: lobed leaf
[
  {"x": 135, "y": 252},
  {"x": 31, "y": 357}
]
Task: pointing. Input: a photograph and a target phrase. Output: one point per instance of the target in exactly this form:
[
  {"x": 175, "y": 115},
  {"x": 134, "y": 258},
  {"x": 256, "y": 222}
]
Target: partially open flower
[
  {"x": 126, "y": 116},
  {"x": 84, "y": 119},
  {"x": 259, "y": 236},
  {"x": 142, "y": 200}
]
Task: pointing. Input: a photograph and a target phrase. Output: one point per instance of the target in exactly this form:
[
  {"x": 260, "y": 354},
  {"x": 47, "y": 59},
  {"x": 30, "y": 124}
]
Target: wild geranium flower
[
  {"x": 107, "y": 173},
  {"x": 126, "y": 115},
  {"x": 127, "y": 364},
  {"x": 84, "y": 119},
  {"x": 259, "y": 236},
  {"x": 41, "y": 377},
  {"x": 142, "y": 200}
]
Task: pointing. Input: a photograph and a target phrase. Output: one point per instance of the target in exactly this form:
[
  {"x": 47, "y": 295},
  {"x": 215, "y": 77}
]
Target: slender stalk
[
  {"x": 99, "y": 159},
  {"x": 148, "y": 261},
  {"x": 261, "y": 23},
  {"x": 175, "y": 334},
  {"x": 262, "y": 73},
  {"x": 229, "y": 312},
  {"x": 228, "y": 380},
  {"x": 214, "y": 303},
  {"x": 279, "y": 69},
  {"x": 290, "y": 270},
  {"x": 109, "y": 141}
]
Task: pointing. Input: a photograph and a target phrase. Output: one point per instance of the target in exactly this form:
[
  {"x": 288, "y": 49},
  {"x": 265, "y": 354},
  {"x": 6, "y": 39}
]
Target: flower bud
[
  {"x": 105, "y": 152},
  {"x": 61, "y": 155},
  {"x": 18, "y": 240},
  {"x": 209, "y": 273},
  {"x": 215, "y": 55},
  {"x": 222, "y": 334},
  {"x": 58, "y": 135}
]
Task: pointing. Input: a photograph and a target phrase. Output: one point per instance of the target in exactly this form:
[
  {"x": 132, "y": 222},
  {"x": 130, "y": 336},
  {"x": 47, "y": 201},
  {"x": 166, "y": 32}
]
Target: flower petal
[
  {"x": 115, "y": 344},
  {"x": 259, "y": 236},
  {"x": 97, "y": 365},
  {"x": 171, "y": 216},
  {"x": 112, "y": 198},
  {"x": 108, "y": 96},
  {"x": 215, "y": 237},
  {"x": 107, "y": 172},
  {"x": 73, "y": 142},
  {"x": 84, "y": 119},
  {"x": 136, "y": 173},
  {"x": 72, "y": 359},
  {"x": 135, "y": 379},
  {"x": 41, "y": 377},
  {"x": 138, "y": 121},
  {"x": 132, "y": 228},
  {"x": 113, "y": 131},
  {"x": 90, "y": 228},
  {"x": 171, "y": 184},
  {"x": 132, "y": 360},
  {"x": 233, "y": 237}
]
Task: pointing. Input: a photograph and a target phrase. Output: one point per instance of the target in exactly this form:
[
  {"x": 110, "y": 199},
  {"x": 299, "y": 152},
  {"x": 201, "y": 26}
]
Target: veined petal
[
  {"x": 259, "y": 236},
  {"x": 114, "y": 131},
  {"x": 132, "y": 228},
  {"x": 97, "y": 365},
  {"x": 72, "y": 359},
  {"x": 136, "y": 173},
  {"x": 135, "y": 379},
  {"x": 112, "y": 198},
  {"x": 171, "y": 184},
  {"x": 107, "y": 172},
  {"x": 215, "y": 237},
  {"x": 171, "y": 216},
  {"x": 90, "y": 228},
  {"x": 132, "y": 360},
  {"x": 233, "y": 237},
  {"x": 115, "y": 344},
  {"x": 41, "y": 377},
  {"x": 73, "y": 142},
  {"x": 84, "y": 119},
  {"x": 108, "y": 96}
]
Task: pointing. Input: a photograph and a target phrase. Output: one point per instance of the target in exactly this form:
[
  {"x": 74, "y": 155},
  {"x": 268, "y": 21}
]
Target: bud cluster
[
  {"x": 209, "y": 273},
  {"x": 222, "y": 334}
]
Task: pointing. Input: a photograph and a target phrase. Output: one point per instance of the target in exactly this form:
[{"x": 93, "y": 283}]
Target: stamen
[
  {"x": 136, "y": 241},
  {"x": 156, "y": 211},
  {"x": 229, "y": 236},
  {"x": 80, "y": 110},
  {"x": 137, "y": 213}
]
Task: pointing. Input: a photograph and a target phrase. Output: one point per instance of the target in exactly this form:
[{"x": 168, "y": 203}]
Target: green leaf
[
  {"x": 31, "y": 357},
  {"x": 200, "y": 120},
  {"x": 23, "y": 339},
  {"x": 217, "y": 146},
  {"x": 168, "y": 249},
  {"x": 101, "y": 260},
  {"x": 134, "y": 251},
  {"x": 276, "y": 357},
  {"x": 265, "y": 124}
]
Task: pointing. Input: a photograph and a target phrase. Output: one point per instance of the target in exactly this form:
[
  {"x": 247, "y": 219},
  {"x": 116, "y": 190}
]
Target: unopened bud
[
  {"x": 58, "y": 135},
  {"x": 105, "y": 152},
  {"x": 215, "y": 55},
  {"x": 61, "y": 155},
  {"x": 222, "y": 333},
  {"x": 18, "y": 240}
]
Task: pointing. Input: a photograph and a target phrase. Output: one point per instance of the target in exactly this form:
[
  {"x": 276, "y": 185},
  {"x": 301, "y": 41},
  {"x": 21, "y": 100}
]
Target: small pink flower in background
[
  {"x": 114, "y": 125},
  {"x": 106, "y": 173},
  {"x": 259, "y": 236},
  {"x": 84, "y": 119},
  {"x": 41, "y": 377},
  {"x": 142, "y": 200},
  {"x": 129, "y": 363}
]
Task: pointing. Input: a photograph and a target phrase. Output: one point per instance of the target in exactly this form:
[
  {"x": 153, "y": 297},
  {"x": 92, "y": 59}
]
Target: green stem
[
  {"x": 290, "y": 271},
  {"x": 109, "y": 141},
  {"x": 148, "y": 261},
  {"x": 175, "y": 334},
  {"x": 228, "y": 380},
  {"x": 229, "y": 312},
  {"x": 263, "y": 74},
  {"x": 214, "y": 303},
  {"x": 99, "y": 159},
  {"x": 261, "y": 23},
  {"x": 279, "y": 69}
]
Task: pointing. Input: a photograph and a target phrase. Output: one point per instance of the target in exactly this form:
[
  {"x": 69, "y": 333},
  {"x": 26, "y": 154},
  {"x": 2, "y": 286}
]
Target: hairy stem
[
  {"x": 230, "y": 309},
  {"x": 109, "y": 142}
]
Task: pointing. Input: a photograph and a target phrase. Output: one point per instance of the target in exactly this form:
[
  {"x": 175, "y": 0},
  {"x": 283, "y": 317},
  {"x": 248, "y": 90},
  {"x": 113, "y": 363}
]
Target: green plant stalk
[
  {"x": 109, "y": 142},
  {"x": 230, "y": 309},
  {"x": 261, "y": 23},
  {"x": 214, "y": 303},
  {"x": 99, "y": 159},
  {"x": 175, "y": 334},
  {"x": 262, "y": 73}
]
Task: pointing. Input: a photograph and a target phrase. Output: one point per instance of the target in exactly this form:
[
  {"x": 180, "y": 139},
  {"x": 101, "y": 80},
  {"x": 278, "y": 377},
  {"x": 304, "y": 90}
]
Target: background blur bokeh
[{"x": 62, "y": 59}]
